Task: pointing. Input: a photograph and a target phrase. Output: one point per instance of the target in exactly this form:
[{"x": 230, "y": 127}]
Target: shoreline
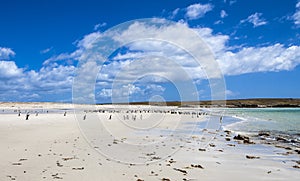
[{"x": 51, "y": 146}]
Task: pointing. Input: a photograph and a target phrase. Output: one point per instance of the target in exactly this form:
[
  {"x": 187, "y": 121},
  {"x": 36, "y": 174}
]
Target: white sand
[{"x": 50, "y": 146}]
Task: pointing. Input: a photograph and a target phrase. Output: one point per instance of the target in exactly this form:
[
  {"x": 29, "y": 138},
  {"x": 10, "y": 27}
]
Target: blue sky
[{"x": 255, "y": 43}]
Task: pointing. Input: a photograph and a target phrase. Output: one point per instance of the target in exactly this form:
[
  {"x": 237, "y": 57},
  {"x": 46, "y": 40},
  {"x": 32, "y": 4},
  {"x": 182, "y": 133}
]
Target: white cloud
[
  {"x": 105, "y": 93},
  {"x": 275, "y": 57},
  {"x": 146, "y": 63},
  {"x": 19, "y": 84},
  {"x": 130, "y": 91},
  {"x": 9, "y": 69},
  {"x": 46, "y": 50},
  {"x": 6, "y": 53},
  {"x": 255, "y": 19},
  {"x": 296, "y": 16},
  {"x": 223, "y": 14},
  {"x": 99, "y": 25},
  {"x": 197, "y": 11},
  {"x": 217, "y": 43},
  {"x": 174, "y": 13},
  {"x": 228, "y": 92},
  {"x": 259, "y": 59}
]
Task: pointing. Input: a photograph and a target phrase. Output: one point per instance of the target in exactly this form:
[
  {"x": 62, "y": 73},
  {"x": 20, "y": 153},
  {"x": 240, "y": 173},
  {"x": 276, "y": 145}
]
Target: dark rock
[
  {"x": 227, "y": 131},
  {"x": 212, "y": 145},
  {"x": 241, "y": 137},
  {"x": 252, "y": 157},
  {"x": 281, "y": 139},
  {"x": 79, "y": 168},
  {"x": 248, "y": 142},
  {"x": 296, "y": 166},
  {"x": 180, "y": 170},
  {"x": 264, "y": 133},
  {"x": 197, "y": 166}
]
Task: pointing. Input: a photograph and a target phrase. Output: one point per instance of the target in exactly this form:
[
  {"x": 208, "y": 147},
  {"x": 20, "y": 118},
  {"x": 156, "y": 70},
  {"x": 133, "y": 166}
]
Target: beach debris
[
  {"x": 55, "y": 176},
  {"x": 152, "y": 173},
  {"x": 150, "y": 154},
  {"x": 68, "y": 158},
  {"x": 180, "y": 170},
  {"x": 11, "y": 177},
  {"x": 269, "y": 172},
  {"x": 17, "y": 163},
  {"x": 58, "y": 164},
  {"x": 139, "y": 179},
  {"x": 202, "y": 149},
  {"x": 22, "y": 159},
  {"x": 197, "y": 166},
  {"x": 78, "y": 168},
  {"x": 212, "y": 145},
  {"x": 155, "y": 158},
  {"x": 227, "y": 139},
  {"x": 172, "y": 161},
  {"x": 165, "y": 179},
  {"x": 252, "y": 157}
]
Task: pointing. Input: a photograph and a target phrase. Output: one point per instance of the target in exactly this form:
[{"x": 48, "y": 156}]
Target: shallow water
[
  {"x": 282, "y": 124},
  {"x": 285, "y": 120}
]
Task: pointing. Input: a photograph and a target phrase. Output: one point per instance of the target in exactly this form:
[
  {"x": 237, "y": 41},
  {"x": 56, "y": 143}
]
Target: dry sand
[{"x": 51, "y": 146}]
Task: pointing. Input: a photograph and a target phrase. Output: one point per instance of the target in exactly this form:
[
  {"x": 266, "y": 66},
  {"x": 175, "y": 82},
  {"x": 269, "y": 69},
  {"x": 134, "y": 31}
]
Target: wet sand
[{"x": 50, "y": 146}]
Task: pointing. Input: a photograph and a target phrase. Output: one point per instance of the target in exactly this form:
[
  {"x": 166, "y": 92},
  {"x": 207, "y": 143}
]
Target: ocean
[{"x": 276, "y": 125}]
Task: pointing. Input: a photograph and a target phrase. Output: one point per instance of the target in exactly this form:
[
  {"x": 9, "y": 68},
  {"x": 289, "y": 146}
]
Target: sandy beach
[{"x": 138, "y": 143}]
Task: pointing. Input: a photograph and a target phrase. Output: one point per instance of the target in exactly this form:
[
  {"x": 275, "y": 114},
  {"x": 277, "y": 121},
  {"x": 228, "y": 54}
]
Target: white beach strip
[{"x": 50, "y": 146}]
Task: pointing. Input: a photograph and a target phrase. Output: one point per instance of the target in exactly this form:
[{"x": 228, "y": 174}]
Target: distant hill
[{"x": 236, "y": 103}]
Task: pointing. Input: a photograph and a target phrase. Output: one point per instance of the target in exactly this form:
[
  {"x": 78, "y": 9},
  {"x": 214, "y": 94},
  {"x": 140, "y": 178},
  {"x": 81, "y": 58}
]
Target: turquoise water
[{"x": 281, "y": 120}]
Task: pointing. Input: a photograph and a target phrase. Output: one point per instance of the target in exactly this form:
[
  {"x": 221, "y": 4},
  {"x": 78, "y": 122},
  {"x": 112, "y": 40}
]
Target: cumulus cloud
[
  {"x": 196, "y": 11},
  {"x": 255, "y": 19},
  {"x": 141, "y": 68},
  {"x": 158, "y": 60},
  {"x": 19, "y": 84},
  {"x": 259, "y": 59},
  {"x": 6, "y": 53},
  {"x": 296, "y": 16},
  {"x": 9, "y": 69},
  {"x": 131, "y": 92}
]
